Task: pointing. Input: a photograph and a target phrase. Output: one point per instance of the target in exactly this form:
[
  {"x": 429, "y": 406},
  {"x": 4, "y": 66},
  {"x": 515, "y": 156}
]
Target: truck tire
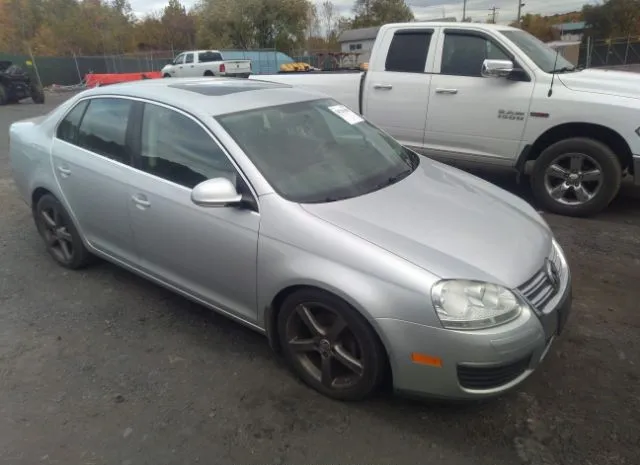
[
  {"x": 576, "y": 177},
  {"x": 208, "y": 73},
  {"x": 166, "y": 75},
  {"x": 4, "y": 98}
]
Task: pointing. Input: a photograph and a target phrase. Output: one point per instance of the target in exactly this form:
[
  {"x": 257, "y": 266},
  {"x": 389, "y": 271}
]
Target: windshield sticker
[{"x": 346, "y": 114}]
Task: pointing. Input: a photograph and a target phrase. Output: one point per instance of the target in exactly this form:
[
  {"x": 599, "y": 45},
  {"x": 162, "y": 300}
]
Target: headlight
[{"x": 462, "y": 304}]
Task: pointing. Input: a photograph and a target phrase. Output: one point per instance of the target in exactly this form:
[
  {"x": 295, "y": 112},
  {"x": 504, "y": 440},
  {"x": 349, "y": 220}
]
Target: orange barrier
[{"x": 93, "y": 80}]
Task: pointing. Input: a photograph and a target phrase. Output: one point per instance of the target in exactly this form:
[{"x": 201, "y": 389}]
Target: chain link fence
[{"x": 609, "y": 52}]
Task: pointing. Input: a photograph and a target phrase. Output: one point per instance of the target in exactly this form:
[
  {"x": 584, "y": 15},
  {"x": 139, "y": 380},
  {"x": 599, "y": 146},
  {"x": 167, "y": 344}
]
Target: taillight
[{"x": 223, "y": 68}]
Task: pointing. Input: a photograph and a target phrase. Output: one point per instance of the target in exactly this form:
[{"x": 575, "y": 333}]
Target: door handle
[
  {"x": 141, "y": 201},
  {"x": 64, "y": 172},
  {"x": 383, "y": 86},
  {"x": 447, "y": 91}
]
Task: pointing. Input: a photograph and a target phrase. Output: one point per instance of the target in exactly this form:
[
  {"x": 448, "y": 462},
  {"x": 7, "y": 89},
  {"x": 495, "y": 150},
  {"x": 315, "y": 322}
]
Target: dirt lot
[{"x": 101, "y": 367}]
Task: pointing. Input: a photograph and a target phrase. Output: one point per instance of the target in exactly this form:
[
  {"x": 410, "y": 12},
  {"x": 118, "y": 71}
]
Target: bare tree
[{"x": 329, "y": 18}]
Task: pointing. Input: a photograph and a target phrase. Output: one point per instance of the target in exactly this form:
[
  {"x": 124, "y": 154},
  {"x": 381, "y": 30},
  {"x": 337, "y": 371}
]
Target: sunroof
[{"x": 215, "y": 89}]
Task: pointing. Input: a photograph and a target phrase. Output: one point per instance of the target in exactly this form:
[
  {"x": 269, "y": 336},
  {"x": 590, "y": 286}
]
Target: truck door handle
[
  {"x": 447, "y": 91},
  {"x": 64, "y": 172},
  {"x": 141, "y": 201},
  {"x": 383, "y": 86}
]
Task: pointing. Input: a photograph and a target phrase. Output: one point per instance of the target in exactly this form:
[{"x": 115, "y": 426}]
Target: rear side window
[
  {"x": 206, "y": 57},
  {"x": 408, "y": 51},
  {"x": 103, "y": 129},
  {"x": 68, "y": 127}
]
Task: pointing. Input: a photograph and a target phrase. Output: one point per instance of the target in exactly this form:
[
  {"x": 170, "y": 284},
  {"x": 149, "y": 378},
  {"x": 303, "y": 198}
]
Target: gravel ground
[{"x": 101, "y": 367}]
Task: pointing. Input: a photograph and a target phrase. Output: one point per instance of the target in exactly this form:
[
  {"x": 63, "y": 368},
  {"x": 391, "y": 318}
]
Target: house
[
  {"x": 359, "y": 41},
  {"x": 571, "y": 32}
]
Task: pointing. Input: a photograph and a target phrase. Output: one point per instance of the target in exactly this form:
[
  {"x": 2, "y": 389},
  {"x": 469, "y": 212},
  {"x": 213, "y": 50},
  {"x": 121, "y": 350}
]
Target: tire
[
  {"x": 4, "y": 97},
  {"x": 355, "y": 355},
  {"x": 166, "y": 75},
  {"x": 561, "y": 187},
  {"x": 208, "y": 73},
  {"x": 60, "y": 235},
  {"x": 37, "y": 94}
]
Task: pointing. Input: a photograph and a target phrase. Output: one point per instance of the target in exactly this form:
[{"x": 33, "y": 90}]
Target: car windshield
[
  {"x": 546, "y": 58},
  {"x": 318, "y": 151}
]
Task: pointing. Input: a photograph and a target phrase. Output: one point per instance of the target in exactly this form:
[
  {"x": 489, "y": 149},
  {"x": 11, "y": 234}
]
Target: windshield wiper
[
  {"x": 393, "y": 179},
  {"x": 564, "y": 69}
]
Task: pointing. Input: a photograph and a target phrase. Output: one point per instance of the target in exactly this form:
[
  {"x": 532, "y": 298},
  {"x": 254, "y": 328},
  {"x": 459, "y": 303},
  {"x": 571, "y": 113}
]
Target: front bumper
[
  {"x": 636, "y": 170},
  {"x": 475, "y": 364}
]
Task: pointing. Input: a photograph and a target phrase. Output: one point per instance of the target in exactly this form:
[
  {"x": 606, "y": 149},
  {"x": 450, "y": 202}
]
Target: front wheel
[
  {"x": 330, "y": 346},
  {"x": 166, "y": 75},
  {"x": 576, "y": 177}
]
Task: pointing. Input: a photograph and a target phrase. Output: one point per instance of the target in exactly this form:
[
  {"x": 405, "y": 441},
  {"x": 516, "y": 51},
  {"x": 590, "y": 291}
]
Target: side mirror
[
  {"x": 496, "y": 68},
  {"x": 216, "y": 192}
]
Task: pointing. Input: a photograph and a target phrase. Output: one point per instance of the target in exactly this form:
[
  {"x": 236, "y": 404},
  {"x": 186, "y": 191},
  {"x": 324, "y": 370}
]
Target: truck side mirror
[{"x": 496, "y": 68}]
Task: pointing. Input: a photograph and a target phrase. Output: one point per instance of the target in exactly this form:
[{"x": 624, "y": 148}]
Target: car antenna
[{"x": 553, "y": 76}]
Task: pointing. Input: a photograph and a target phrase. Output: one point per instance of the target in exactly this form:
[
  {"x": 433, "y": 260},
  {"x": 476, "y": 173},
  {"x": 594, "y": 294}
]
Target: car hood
[
  {"x": 603, "y": 81},
  {"x": 449, "y": 223}
]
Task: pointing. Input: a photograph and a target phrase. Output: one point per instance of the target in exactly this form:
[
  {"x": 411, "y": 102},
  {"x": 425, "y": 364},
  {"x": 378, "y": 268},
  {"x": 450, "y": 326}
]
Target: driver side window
[
  {"x": 179, "y": 59},
  {"x": 463, "y": 55}
]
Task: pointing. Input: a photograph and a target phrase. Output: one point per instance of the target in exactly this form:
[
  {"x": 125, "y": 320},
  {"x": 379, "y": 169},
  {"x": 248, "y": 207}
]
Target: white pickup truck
[
  {"x": 495, "y": 96},
  {"x": 195, "y": 63}
]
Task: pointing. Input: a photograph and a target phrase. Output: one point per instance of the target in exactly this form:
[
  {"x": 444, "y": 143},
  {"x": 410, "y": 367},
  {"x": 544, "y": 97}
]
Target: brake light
[{"x": 223, "y": 68}]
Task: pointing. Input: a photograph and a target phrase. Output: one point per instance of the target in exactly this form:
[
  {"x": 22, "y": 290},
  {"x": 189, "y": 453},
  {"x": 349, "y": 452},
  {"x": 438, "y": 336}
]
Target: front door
[
  {"x": 91, "y": 157},
  {"x": 208, "y": 252},
  {"x": 473, "y": 118},
  {"x": 396, "y": 97}
]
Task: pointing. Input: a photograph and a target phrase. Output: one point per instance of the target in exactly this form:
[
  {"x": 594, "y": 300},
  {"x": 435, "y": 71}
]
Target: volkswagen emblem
[{"x": 552, "y": 274}]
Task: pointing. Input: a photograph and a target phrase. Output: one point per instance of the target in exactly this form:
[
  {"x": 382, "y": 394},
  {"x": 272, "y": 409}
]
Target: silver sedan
[{"x": 283, "y": 209}]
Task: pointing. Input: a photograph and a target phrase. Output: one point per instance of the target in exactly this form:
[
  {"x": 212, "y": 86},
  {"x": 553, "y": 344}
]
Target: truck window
[
  {"x": 188, "y": 58},
  {"x": 179, "y": 59},
  {"x": 408, "y": 51},
  {"x": 463, "y": 54},
  {"x": 207, "y": 57}
]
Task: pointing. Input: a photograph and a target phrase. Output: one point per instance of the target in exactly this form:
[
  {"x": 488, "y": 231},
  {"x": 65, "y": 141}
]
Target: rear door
[
  {"x": 396, "y": 94},
  {"x": 91, "y": 156}
]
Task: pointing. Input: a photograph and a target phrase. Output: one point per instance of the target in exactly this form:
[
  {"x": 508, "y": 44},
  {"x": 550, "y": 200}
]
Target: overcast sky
[{"x": 428, "y": 9}]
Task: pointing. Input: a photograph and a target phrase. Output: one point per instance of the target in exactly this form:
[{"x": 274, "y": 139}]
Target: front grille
[
  {"x": 540, "y": 289},
  {"x": 482, "y": 378}
]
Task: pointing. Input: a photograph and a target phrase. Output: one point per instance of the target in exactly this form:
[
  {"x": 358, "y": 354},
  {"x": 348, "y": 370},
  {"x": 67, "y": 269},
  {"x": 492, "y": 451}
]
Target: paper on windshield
[{"x": 346, "y": 114}]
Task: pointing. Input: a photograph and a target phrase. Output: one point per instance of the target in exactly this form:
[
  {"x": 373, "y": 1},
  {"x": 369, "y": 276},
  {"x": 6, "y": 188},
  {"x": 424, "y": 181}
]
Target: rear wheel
[
  {"x": 60, "y": 236},
  {"x": 208, "y": 73},
  {"x": 4, "y": 97},
  {"x": 330, "y": 346},
  {"x": 37, "y": 93},
  {"x": 576, "y": 177}
]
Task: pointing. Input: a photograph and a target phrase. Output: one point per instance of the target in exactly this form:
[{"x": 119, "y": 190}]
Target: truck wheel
[
  {"x": 37, "y": 94},
  {"x": 166, "y": 75},
  {"x": 208, "y": 73},
  {"x": 3, "y": 95},
  {"x": 576, "y": 177}
]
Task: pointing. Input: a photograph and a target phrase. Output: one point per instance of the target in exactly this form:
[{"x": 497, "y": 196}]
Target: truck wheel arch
[{"x": 598, "y": 132}]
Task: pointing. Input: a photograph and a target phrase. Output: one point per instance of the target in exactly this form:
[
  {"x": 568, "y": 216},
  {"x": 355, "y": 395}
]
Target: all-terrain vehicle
[{"x": 16, "y": 84}]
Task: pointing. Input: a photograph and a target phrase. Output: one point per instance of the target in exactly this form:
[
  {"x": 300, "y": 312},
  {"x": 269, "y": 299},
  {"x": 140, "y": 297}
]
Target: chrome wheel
[
  {"x": 55, "y": 232},
  {"x": 573, "y": 178},
  {"x": 320, "y": 340}
]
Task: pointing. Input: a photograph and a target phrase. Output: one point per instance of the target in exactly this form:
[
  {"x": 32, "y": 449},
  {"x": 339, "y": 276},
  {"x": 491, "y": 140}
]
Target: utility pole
[
  {"x": 464, "y": 10},
  {"x": 493, "y": 14},
  {"x": 520, "y": 5}
]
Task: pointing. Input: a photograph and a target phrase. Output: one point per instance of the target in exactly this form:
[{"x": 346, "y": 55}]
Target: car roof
[
  {"x": 209, "y": 96},
  {"x": 452, "y": 25}
]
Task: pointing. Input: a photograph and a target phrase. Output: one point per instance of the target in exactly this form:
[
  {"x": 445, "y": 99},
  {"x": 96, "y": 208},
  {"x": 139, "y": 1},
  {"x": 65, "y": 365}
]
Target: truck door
[
  {"x": 396, "y": 93},
  {"x": 190, "y": 69},
  {"x": 473, "y": 118}
]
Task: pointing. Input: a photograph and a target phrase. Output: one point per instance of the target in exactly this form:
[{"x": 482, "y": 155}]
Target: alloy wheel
[
  {"x": 573, "y": 178},
  {"x": 321, "y": 341},
  {"x": 56, "y": 234}
]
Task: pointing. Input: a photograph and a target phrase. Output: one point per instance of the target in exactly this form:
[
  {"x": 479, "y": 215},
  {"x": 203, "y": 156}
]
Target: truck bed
[{"x": 343, "y": 86}]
